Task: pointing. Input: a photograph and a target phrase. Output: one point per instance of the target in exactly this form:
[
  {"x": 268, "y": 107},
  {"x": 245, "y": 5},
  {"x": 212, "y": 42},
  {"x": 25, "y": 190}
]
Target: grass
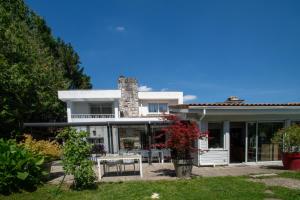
[
  {"x": 197, "y": 188},
  {"x": 294, "y": 175}
]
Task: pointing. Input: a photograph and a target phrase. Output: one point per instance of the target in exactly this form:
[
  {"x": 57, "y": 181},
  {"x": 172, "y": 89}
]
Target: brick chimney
[{"x": 129, "y": 101}]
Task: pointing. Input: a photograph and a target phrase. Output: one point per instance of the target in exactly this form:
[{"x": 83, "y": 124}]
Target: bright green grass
[
  {"x": 294, "y": 175},
  {"x": 198, "y": 188}
]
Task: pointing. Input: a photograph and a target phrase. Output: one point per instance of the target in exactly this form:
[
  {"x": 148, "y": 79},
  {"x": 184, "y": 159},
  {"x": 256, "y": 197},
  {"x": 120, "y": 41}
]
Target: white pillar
[
  {"x": 226, "y": 130},
  {"x": 116, "y": 109},
  {"x": 69, "y": 111}
]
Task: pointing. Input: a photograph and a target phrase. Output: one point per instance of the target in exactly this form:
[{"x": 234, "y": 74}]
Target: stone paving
[{"x": 158, "y": 171}]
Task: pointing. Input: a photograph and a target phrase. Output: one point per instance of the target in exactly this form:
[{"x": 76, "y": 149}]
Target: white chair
[
  {"x": 129, "y": 161},
  {"x": 155, "y": 155},
  {"x": 167, "y": 154},
  {"x": 145, "y": 155},
  {"x": 113, "y": 163}
]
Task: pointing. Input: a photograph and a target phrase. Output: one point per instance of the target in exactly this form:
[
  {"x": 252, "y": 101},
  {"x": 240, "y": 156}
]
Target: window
[
  {"x": 296, "y": 122},
  {"x": 157, "y": 107},
  {"x": 102, "y": 108},
  {"x": 215, "y": 135}
]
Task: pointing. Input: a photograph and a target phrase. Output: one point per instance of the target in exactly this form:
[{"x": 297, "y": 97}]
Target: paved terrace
[{"x": 158, "y": 171}]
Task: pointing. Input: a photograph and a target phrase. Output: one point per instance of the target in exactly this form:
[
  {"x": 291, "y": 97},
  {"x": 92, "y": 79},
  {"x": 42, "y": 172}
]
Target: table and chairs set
[{"x": 129, "y": 158}]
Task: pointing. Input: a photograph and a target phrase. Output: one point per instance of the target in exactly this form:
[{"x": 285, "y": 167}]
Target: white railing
[{"x": 81, "y": 116}]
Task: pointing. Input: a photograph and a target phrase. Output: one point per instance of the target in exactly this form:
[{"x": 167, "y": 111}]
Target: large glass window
[
  {"x": 267, "y": 151},
  {"x": 101, "y": 108},
  {"x": 157, "y": 107},
  {"x": 215, "y": 135},
  {"x": 130, "y": 137}
]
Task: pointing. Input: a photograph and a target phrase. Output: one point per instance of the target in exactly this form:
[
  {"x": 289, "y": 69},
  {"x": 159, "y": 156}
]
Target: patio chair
[
  {"x": 167, "y": 154},
  {"x": 128, "y": 162},
  {"x": 93, "y": 158},
  {"x": 145, "y": 155},
  {"x": 113, "y": 163},
  {"x": 155, "y": 155}
]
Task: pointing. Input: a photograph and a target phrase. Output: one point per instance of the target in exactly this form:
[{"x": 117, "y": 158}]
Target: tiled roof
[{"x": 185, "y": 106}]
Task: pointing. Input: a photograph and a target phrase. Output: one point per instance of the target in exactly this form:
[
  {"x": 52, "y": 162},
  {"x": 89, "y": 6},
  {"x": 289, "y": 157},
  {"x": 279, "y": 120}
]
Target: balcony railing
[{"x": 87, "y": 116}]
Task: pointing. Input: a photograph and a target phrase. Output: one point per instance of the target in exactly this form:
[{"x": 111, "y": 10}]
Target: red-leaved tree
[{"x": 181, "y": 136}]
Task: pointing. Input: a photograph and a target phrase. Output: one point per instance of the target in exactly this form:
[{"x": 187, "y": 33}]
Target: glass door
[{"x": 251, "y": 142}]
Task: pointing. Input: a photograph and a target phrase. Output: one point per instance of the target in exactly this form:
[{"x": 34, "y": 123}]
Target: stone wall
[{"x": 129, "y": 102}]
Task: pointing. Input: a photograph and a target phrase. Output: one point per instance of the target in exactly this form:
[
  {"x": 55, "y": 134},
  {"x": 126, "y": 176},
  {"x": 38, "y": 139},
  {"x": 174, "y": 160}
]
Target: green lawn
[
  {"x": 294, "y": 175},
  {"x": 198, "y": 188}
]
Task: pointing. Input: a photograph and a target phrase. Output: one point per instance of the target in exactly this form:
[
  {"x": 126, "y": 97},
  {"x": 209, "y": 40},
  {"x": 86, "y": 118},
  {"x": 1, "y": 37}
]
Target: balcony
[{"x": 92, "y": 116}]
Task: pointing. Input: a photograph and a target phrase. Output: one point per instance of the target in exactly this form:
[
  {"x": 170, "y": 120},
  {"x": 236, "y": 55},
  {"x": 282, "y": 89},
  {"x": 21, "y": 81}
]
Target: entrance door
[{"x": 237, "y": 142}]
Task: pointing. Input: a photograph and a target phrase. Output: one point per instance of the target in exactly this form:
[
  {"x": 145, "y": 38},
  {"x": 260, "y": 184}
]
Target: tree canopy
[{"x": 33, "y": 66}]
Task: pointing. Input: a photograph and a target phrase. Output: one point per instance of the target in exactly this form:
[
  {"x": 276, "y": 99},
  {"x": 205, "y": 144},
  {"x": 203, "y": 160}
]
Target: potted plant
[
  {"x": 289, "y": 141},
  {"x": 128, "y": 143},
  {"x": 181, "y": 138}
]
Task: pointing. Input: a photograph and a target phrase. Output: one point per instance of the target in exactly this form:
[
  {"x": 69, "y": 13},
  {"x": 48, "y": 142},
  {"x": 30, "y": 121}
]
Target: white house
[
  {"x": 239, "y": 132},
  {"x": 114, "y": 116}
]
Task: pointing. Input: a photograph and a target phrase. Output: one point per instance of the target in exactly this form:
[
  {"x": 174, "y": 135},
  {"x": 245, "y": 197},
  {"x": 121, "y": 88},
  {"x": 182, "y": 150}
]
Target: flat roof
[
  {"x": 104, "y": 123},
  {"x": 220, "y": 105}
]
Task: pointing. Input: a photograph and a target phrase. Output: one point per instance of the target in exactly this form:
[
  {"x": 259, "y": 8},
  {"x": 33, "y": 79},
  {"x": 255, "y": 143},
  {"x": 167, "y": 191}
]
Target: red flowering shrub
[{"x": 181, "y": 137}]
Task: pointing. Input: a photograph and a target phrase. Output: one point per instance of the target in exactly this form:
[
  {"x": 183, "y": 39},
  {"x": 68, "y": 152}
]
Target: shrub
[
  {"x": 49, "y": 149},
  {"x": 181, "y": 137},
  {"x": 288, "y": 138},
  {"x": 19, "y": 168},
  {"x": 76, "y": 151}
]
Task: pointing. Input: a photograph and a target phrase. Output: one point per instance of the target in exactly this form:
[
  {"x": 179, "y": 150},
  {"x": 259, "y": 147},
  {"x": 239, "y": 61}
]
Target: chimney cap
[{"x": 234, "y": 99}]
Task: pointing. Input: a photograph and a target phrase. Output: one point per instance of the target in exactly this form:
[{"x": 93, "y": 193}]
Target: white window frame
[{"x": 158, "y": 111}]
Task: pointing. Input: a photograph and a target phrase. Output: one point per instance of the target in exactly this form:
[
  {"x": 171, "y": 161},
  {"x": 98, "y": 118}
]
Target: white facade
[
  {"x": 80, "y": 103},
  {"x": 255, "y": 148}
]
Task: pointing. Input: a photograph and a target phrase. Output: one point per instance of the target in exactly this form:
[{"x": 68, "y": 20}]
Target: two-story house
[{"x": 121, "y": 117}]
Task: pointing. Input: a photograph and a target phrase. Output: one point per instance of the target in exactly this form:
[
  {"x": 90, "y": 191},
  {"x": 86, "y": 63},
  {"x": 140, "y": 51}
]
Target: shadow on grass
[{"x": 165, "y": 172}]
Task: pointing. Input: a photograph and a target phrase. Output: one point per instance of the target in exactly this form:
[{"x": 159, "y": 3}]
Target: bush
[
  {"x": 288, "y": 139},
  {"x": 19, "y": 168},
  {"x": 49, "y": 149},
  {"x": 76, "y": 152}
]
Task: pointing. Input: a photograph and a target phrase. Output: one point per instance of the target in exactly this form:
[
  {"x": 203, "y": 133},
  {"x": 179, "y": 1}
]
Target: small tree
[
  {"x": 288, "y": 138},
  {"x": 75, "y": 157},
  {"x": 181, "y": 137}
]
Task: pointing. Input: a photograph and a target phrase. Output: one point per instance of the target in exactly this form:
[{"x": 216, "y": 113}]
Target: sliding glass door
[
  {"x": 268, "y": 151},
  {"x": 259, "y": 141}
]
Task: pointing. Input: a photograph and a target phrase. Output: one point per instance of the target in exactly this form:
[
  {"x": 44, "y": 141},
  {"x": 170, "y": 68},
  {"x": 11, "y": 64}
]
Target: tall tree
[{"x": 33, "y": 66}]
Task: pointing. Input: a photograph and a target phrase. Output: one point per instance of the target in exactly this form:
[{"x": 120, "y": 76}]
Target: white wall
[{"x": 143, "y": 105}]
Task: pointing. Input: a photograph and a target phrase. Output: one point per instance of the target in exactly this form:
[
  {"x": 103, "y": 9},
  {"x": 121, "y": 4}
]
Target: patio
[{"x": 159, "y": 171}]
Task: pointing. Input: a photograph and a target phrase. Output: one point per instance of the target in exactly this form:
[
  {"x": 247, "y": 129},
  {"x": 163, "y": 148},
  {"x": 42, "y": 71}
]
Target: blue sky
[{"x": 207, "y": 49}]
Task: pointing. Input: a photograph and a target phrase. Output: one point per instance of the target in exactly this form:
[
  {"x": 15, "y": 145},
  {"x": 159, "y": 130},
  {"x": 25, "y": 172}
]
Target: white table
[{"x": 119, "y": 157}]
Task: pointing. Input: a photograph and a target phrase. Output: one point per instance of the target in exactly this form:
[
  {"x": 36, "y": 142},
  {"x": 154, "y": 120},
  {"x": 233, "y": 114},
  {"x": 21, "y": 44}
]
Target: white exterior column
[
  {"x": 116, "y": 109},
  {"x": 226, "y": 130},
  {"x": 69, "y": 111}
]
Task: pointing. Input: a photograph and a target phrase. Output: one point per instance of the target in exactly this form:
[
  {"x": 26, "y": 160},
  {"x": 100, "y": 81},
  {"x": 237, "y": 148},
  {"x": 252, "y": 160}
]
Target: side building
[{"x": 239, "y": 132}]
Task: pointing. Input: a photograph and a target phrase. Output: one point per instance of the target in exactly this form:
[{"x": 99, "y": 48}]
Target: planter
[
  {"x": 183, "y": 168},
  {"x": 291, "y": 161}
]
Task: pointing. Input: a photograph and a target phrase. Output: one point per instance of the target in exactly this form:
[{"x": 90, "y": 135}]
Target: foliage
[
  {"x": 76, "y": 151},
  {"x": 128, "y": 143},
  {"x": 33, "y": 66},
  {"x": 19, "y": 168},
  {"x": 181, "y": 137},
  {"x": 51, "y": 150},
  {"x": 206, "y": 188},
  {"x": 98, "y": 149},
  {"x": 288, "y": 138}
]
